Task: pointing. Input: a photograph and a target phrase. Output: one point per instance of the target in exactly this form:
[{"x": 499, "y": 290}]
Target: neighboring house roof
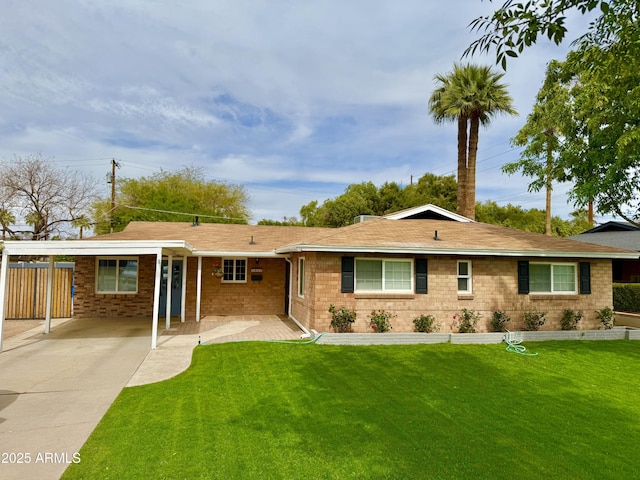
[
  {"x": 629, "y": 240},
  {"x": 614, "y": 226},
  {"x": 427, "y": 212}
]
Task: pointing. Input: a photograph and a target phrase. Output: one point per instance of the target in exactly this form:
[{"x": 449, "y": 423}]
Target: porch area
[{"x": 233, "y": 328}]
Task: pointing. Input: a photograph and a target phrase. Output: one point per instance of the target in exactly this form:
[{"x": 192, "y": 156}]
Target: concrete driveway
[{"x": 55, "y": 388}]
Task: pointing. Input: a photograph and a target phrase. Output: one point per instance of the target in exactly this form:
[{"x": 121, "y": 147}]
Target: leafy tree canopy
[
  {"x": 532, "y": 220},
  {"x": 172, "y": 197},
  {"x": 434, "y": 189},
  {"x": 367, "y": 199},
  {"x": 518, "y": 25}
]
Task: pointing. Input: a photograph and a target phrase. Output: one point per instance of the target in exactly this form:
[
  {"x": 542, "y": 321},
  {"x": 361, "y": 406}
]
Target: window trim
[
  {"x": 301, "y": 273},
  {"x": 576, "y": 279},
  {"x": 235, "y": 259},
  {"x": 468, "y": 276},
  {"x": 116, "y": 291},
  {"x": 384, "y": 260}
]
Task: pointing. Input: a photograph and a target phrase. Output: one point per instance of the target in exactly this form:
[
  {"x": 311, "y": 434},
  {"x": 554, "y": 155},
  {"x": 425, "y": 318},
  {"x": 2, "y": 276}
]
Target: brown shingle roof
[
  {"x": 216, "y": 237},
  {"x": 416, "y": 235},
  {"x": 379, "y": 235}
]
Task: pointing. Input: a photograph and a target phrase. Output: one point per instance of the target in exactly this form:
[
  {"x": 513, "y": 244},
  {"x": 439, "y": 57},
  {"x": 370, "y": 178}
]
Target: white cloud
[{"x": 264, "y": 92}]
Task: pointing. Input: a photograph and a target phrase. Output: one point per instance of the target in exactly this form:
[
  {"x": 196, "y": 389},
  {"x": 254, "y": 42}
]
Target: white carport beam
[
  {"x": 47, "y": 315},
  {"x": 198, "y": 289},
  {"x": 4, "y": 271},
  {"x": 156, "y": 300},
  {"x": 183, "y": 303},
  {"x": 167, "y": 309}
]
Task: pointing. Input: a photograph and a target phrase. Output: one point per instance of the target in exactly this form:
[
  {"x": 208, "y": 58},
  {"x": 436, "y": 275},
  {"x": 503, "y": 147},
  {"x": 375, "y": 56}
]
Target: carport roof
[{"x": 98, "y": 248}]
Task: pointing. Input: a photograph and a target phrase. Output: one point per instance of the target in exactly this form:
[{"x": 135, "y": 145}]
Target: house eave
[
  {"x": 238, "y": 253},
  {"x": 455, "y": 252},
  {"x": 98, "y": 247}
]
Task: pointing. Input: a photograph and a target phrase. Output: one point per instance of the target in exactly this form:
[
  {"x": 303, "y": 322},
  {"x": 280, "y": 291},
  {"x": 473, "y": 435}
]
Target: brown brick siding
[
  {"x": 87, "y": 303},
  {"x": 218, "y": 298},
  {"x": 253, "y": 297},
  {"x": 494, "y": 288}
]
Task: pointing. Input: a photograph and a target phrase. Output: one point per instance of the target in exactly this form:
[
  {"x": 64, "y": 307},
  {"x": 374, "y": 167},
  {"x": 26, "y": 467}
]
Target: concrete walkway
[{"x": 55, "y": 388}]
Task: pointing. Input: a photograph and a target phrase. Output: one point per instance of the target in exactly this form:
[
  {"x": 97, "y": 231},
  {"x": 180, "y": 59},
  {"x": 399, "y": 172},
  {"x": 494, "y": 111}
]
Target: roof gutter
[{"x": 454, "y": 251}]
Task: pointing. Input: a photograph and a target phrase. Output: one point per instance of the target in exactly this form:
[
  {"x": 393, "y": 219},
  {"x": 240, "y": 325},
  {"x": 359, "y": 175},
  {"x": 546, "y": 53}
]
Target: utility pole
[{"x": 112, "y": 181}]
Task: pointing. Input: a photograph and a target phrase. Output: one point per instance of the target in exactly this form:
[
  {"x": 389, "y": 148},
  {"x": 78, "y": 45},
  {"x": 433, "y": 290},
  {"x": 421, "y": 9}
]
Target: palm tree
[{"x": 471, "y": 95}]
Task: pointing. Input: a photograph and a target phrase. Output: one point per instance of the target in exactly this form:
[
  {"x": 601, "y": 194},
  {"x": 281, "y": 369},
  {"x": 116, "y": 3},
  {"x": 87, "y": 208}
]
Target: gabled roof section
[
  {"x": 614, "y": 226},
  {"x": 427, "y": 212},
  {"x": 446, "y": 237}
]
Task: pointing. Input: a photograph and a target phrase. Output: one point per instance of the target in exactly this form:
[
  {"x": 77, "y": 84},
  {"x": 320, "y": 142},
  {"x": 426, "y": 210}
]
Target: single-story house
[
  {"x": 424, "y": 260},
  {"x": 620, "y": 235}
]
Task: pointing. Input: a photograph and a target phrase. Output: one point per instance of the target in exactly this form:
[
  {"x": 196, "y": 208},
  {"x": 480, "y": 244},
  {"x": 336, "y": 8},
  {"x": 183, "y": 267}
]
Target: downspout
[{"x": 306, "y": 333}]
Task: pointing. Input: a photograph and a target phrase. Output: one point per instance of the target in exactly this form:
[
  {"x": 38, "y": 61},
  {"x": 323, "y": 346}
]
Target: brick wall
[
  {"x": 218, "y": 298},
  {"x": 88, "y": 304},
  {"x": 494, "y": 288},
  {"x": 253, "y": 297}
]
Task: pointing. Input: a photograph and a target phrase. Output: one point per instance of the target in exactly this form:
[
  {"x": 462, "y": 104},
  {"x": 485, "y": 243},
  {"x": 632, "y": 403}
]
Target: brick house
[{"x": 422, "y": 260}]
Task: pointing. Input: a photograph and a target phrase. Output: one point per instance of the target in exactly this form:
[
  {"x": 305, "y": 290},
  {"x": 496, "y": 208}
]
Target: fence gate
[{"x": 27, "y": 291}]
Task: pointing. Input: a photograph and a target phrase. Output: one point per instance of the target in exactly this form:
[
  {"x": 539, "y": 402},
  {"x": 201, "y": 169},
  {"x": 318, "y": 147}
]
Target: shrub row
[
  {"x": 626, "y": 297},
  {"x": 466, "y": 321}
]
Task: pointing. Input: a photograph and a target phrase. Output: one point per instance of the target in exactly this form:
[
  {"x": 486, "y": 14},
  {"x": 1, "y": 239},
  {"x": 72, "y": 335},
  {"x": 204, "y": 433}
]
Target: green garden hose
[{"x": 513, "y": 342}]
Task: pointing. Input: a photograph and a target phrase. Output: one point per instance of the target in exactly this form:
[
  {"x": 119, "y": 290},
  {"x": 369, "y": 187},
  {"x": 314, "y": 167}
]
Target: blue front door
[{"x": 176, "y": 288}]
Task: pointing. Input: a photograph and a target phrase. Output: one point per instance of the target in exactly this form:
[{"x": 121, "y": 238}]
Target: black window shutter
[
  {"x": 523, "y": 277},
  {"x": 348, "y": 268},
  {"x": 421, "y": 275},
  {"x": 585, "y": 277}
]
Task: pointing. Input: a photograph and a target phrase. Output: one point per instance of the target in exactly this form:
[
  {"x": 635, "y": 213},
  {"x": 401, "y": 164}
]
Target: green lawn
[{"x": 269, "y": 410}]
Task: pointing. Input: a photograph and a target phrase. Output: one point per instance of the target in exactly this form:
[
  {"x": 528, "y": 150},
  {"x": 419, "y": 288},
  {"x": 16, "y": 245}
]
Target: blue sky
[{"x": 294, "y": 100}]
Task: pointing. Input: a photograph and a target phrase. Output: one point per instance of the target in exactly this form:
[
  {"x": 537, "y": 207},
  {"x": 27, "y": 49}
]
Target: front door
[{"x": 176, "y": 288}]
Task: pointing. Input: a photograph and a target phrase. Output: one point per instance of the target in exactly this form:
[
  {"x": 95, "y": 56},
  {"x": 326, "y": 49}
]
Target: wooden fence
[{"x": 27, "y": 291}]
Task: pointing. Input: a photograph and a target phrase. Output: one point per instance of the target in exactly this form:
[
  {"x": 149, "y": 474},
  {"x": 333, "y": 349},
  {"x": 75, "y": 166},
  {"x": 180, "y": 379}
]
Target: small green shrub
[
  {"x": 467, "y": 320},
  {"x": 426, "y": 323},
  {"x": 626, "y": 297},
  {"x": 498, "y": 321},
  {"x": 534, "y": 319},
  {"x": 570, "y": 319},
  {"x": 379, "y": 321},
  {"x": 606, "y": 317},
  {"x": 341, "y": 318}
]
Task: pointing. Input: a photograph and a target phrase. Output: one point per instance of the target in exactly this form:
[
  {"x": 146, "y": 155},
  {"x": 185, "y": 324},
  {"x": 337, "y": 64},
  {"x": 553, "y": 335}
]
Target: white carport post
[
  {"x": 198, "y": 289},
  {"x": 156, "y": 300},
  {"x": 4, "y": 272},
  {"x": 47, "y": 314},
  {"x": 183, "y": 303},
  {"x": 168, "y": 294}
]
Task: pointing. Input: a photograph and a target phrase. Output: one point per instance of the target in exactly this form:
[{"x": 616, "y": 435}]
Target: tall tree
[
  {"x": 47, "y": 199},
  {"x": 470, "y": 95},
  {"x": 602, "y": 154},
  {"x": 542, "y": 135},
  {"x": 173, "y": 197}
]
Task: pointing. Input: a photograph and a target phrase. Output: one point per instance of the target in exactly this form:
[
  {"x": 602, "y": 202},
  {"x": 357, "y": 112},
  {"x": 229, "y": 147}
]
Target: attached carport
[{"x": 101, "y": 248}]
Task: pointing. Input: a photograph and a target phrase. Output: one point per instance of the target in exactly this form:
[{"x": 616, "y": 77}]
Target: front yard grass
[{"x": 269, "y": 410}]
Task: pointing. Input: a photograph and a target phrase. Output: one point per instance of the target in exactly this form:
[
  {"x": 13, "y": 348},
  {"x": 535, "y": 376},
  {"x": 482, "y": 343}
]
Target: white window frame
[
  {"x": 553, "y": 292},
  {"x": 235, "y": 260},
  {"x": 117, "y": 291},
  {"x": 301, "y": 283},
  {"x": 410, "y": 261},
  {"x": 468, "y": 277}
]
